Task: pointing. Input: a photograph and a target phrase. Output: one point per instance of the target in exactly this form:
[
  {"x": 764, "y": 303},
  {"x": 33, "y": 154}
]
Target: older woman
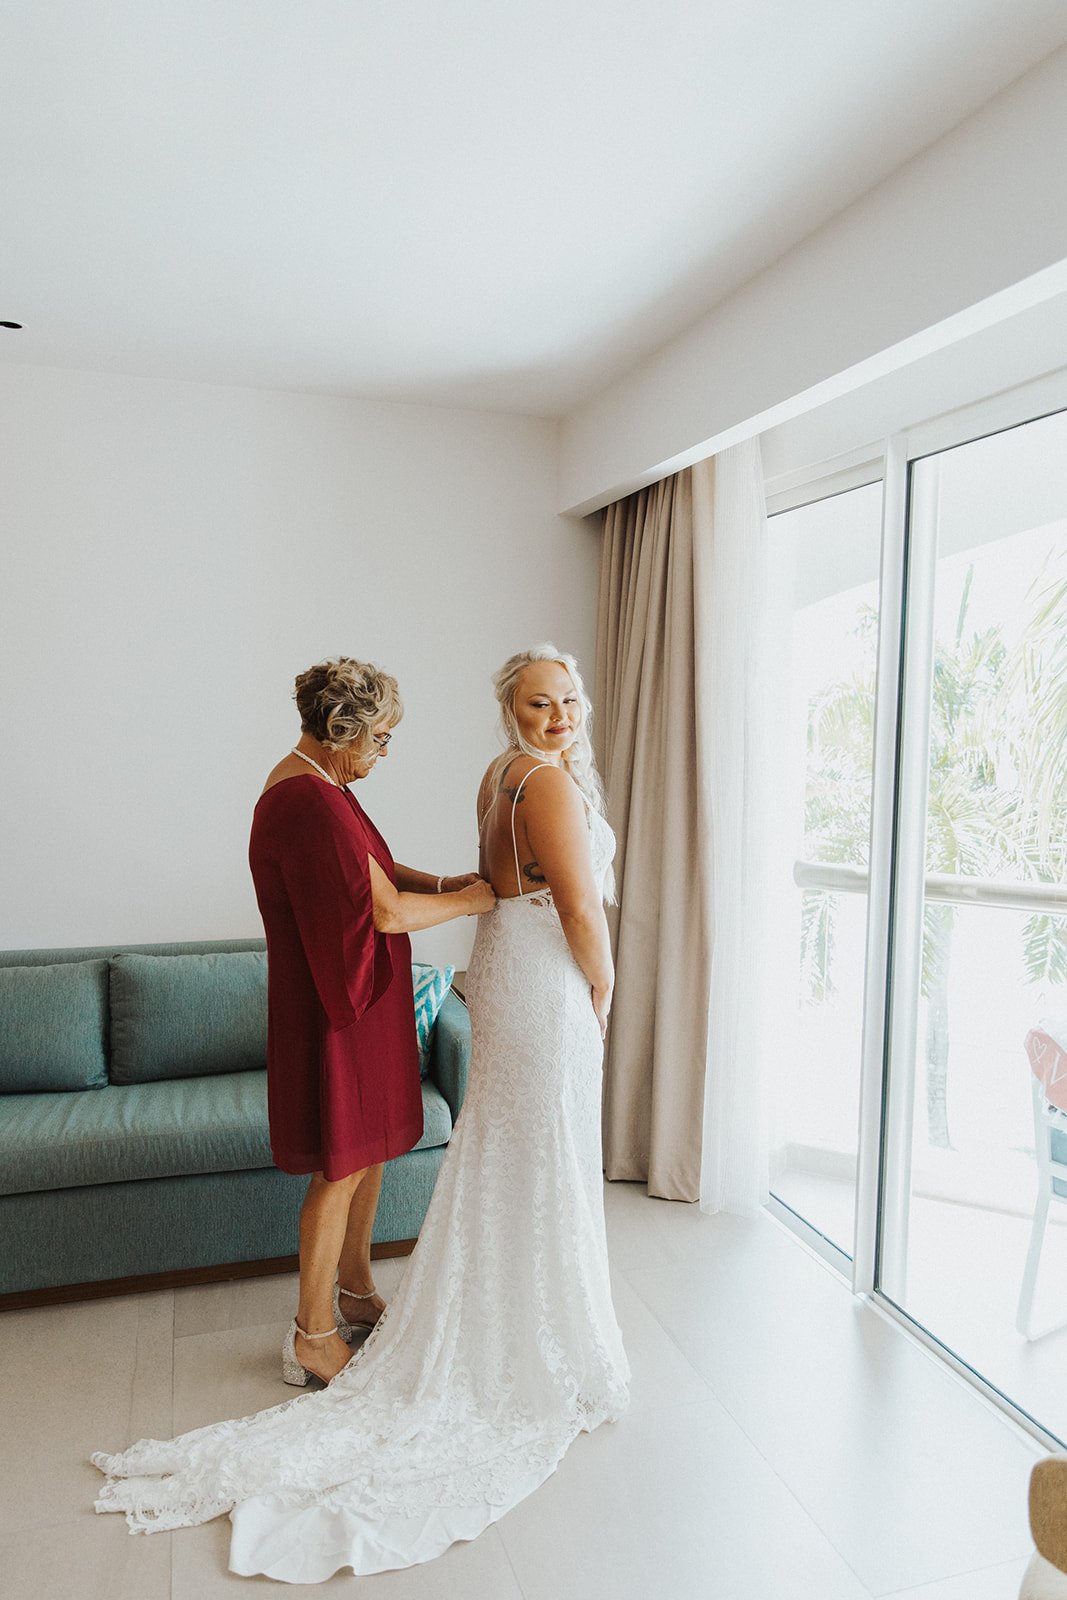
[{"x": 343, "y": 1082}]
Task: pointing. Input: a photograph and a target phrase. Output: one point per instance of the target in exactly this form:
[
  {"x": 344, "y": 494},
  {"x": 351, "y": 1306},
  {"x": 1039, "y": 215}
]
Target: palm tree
[{"x": 996, "y": 798}]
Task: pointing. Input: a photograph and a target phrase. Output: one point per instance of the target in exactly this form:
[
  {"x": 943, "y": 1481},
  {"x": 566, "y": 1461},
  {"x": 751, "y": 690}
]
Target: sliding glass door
[
  {"x": 825, "y": 558},
  {"x": 972, "y": 1242},
  {"x": 918, "y": 991}
]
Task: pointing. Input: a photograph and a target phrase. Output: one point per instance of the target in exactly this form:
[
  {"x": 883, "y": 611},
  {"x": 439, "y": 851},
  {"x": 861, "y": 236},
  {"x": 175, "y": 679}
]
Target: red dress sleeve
[{"x": 324, "y": 867}]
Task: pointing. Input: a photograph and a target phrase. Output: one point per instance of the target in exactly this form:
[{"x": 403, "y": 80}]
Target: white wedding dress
[{"x": 500, "y": 1344}]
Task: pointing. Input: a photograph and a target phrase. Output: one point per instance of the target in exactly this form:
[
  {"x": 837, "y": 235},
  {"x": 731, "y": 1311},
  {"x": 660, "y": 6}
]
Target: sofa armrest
[{"x": 450, "y": 1051}]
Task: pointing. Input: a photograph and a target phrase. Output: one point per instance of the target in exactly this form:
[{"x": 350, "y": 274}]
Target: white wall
[
  {"x": 967, "y": 219},
  {"x": 172, "y": 554}
]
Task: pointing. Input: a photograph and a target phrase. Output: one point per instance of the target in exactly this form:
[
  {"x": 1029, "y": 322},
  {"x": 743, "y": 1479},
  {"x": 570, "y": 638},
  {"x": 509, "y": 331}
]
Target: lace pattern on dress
[{"x": 501, "y": 1343}]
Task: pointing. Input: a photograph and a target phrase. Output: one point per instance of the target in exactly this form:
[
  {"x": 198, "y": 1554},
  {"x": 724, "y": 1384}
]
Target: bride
[{"x": 501, "y": 1343}]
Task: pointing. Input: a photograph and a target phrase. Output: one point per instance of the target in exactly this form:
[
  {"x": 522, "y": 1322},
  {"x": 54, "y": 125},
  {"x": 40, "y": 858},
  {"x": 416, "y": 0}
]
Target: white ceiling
[{"x": 499, "y": 203}]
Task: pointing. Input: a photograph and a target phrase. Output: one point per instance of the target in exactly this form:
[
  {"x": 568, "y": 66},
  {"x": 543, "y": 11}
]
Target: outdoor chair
[{"x": 1048, "y": 1062}]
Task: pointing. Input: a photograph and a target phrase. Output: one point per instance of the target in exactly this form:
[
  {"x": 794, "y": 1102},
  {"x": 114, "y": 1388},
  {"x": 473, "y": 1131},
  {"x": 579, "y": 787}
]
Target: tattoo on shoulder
[
  {"x": 514, "y": 793},
  {"x": 532, "y": 872}
]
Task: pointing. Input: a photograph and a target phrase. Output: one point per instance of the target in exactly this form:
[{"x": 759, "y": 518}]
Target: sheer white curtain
[{"x": 737, "y": 703}]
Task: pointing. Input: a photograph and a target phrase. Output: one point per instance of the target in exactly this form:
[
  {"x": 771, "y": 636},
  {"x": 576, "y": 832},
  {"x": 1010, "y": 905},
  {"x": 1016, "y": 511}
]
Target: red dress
[{"x": 343, "y": 1087}]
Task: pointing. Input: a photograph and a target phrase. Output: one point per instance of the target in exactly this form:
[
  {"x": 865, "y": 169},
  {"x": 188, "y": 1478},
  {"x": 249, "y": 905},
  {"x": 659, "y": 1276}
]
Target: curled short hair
[{"x": 341, "y": 701}]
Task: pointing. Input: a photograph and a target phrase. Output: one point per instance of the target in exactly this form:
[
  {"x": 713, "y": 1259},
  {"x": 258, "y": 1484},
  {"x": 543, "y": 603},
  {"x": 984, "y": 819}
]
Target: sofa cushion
[
  {"x": 53, "y": 1025},
  {"x": 187, "y": 1016},
  {"x": 152, "y": 1130},
  {"x": 436, "y": 1118},
  {"x": 430, "y": 985}
]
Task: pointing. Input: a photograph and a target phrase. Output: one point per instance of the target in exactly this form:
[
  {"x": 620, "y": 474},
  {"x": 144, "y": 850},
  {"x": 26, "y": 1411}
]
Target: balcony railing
[{"x": 941, "y": 886}]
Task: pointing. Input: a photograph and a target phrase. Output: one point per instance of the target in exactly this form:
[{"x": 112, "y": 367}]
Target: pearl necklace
[{"x": 321, "y": 771}]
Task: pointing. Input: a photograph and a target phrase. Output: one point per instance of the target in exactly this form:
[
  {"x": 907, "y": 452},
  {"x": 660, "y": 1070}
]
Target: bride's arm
[{"x": 557, "y": 837}]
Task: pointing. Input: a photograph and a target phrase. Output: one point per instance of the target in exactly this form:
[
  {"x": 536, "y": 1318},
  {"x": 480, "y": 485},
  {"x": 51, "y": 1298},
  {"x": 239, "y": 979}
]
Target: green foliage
[
  {"x": 840, "y": 746},
  {"x": 939, "y": 922},
  {"x": 817, "y": 915},
  {"x": 997, "y": 788},
  {"x": 1045, "y": 949}
]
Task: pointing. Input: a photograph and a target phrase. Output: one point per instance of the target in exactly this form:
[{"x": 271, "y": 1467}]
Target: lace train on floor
[{"x": 500, "y": 1345}]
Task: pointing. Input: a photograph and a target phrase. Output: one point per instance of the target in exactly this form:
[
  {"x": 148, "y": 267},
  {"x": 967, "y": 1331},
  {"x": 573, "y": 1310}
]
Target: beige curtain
[
  {"x": 682, "y": 647},
  {"x": 653, "y": 751}
]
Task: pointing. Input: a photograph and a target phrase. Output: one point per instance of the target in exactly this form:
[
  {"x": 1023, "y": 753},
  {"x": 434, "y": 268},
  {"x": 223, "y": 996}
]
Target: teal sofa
[{"x": 133, "y": 1121}]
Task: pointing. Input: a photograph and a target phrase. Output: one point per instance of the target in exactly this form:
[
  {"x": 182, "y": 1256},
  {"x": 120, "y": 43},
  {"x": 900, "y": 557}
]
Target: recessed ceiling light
[{"x": 10, "y": 324}]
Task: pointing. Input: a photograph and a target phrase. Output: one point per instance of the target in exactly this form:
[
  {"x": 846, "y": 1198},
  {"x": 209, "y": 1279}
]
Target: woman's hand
[
  {"x": 454, "y": 885},
  {"x": 602, "y": 1007},
  {"x": 416, "y": 906},
  {"x": 479, "y": 897}
]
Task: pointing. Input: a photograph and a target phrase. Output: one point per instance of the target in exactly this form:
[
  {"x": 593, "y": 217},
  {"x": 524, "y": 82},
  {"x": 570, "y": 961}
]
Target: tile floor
[
  {"x": 965, "y": 1265},
  {"x": 785, "y": 1442}
]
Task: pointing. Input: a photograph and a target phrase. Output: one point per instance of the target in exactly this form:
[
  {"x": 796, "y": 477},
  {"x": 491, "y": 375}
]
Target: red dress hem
[{"x": 298, "y": 1163}]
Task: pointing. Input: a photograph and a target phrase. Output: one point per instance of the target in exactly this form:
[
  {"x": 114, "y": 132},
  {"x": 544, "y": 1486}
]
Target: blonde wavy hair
[
  {"x": 342, "y": 700},
  {"x": 578, "y": 758}
]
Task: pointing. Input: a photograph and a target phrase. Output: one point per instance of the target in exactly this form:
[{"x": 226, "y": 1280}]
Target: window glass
[
  {"x": 974, "y": 1243},
  {"x": 825, "y": 557}
]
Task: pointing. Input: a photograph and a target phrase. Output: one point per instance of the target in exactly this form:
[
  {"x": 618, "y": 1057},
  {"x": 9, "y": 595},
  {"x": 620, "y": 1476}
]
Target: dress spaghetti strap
[{"x": 514, "y": 803}]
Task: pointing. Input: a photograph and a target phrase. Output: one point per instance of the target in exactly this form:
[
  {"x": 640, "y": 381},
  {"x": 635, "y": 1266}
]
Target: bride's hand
[
  {"x": 602, "y": 1007},
  {"x": 479, "y": 897}
]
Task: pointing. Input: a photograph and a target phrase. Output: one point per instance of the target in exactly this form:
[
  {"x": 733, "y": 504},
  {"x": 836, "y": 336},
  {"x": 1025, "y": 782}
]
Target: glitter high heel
[
  {"x": 293, "y": 1371},
  {"x": 345, "y": 1328}
]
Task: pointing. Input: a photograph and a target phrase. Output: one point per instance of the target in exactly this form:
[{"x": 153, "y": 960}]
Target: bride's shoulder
[
  {"x": 490, "y": 783},
  {"x": 508, "y": 774},
  {"x": 548, "y": 778},
  {"x": 545, "y": 791},
  {"x": 505, "y": 772}
]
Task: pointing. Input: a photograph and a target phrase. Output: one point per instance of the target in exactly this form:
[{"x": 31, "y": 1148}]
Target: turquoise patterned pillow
[{"x": 431, "y": 984}]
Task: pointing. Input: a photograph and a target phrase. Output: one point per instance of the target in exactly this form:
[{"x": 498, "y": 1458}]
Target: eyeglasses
[{"x": 381, "y": 739}]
